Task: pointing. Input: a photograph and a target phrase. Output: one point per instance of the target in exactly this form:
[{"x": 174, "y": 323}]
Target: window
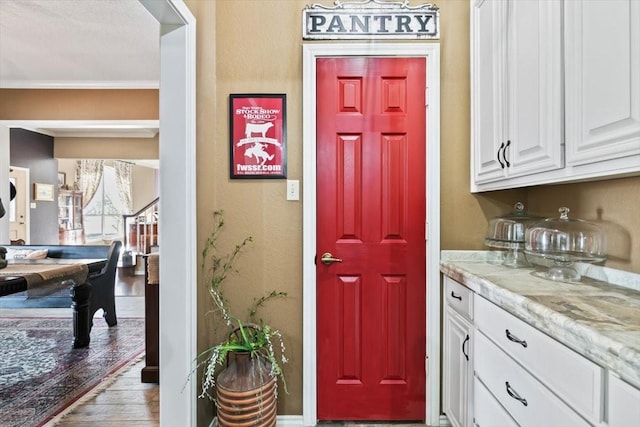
[{"x": 103, "y": 214}]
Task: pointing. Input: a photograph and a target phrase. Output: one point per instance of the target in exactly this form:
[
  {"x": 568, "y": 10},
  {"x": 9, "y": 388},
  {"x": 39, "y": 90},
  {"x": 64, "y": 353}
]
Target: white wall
[{"x": 4, "y": 177}]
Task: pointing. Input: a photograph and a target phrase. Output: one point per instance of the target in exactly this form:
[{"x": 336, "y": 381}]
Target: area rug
[{"x": 40, "y": 373}]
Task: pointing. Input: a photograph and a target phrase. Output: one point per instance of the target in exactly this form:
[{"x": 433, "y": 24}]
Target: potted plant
[{"x": 245, "y": 367}]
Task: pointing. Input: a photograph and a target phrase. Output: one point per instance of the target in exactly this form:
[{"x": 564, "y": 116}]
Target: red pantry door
[{"x": 371, "y": 166}]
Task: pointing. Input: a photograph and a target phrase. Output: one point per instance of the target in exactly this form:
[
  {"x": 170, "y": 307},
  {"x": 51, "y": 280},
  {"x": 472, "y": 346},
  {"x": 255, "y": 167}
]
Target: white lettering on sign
[
  {"x": 371, "y": 20},
  {"x": 258, "y": 168}
]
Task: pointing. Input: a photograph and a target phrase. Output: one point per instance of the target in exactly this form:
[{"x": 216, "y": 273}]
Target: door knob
[{"x": 328, "y": 259}]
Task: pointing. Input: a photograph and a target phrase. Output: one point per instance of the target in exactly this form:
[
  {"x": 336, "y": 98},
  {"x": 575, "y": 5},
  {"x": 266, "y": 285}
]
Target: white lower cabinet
[
  {"x": 498, "y": 370},
  {"x": 623, "y": 401},
  {"x": 457, "y": 374}
]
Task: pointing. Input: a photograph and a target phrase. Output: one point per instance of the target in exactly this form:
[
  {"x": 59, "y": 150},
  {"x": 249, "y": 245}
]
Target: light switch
[
  {"x": 32, "y": 205},
  {"x": 293, "y": 189}
]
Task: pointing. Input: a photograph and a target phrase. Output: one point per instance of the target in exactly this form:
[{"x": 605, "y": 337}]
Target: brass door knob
[{"x": 328, "y": 259}]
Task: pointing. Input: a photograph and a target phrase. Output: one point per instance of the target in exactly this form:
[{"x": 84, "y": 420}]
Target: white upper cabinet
[
  {"x": 487, "y": 21},
  {"x": 603, "y": 92},
  {"x": 555, "y": 91},
  {"x": 516, "y": 88}
]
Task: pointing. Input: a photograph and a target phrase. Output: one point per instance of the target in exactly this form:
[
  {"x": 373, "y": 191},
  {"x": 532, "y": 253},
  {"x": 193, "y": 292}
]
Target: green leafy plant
[{"x": 253, "y": 335}]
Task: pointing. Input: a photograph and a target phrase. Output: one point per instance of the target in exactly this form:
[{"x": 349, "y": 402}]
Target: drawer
[
  {"x": 528, "y": 401},
  {"x": 577, "y": 380},
  {"x": 486, "y": 409},
  {"x": 459, "y": 297}
]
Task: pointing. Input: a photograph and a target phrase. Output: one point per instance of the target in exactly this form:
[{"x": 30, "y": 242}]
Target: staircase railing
[{"x": 141, "y": 228}]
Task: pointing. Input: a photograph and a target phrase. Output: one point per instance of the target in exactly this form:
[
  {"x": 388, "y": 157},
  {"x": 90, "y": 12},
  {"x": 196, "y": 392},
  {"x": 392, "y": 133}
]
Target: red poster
[{"x": 258, "y": 136}]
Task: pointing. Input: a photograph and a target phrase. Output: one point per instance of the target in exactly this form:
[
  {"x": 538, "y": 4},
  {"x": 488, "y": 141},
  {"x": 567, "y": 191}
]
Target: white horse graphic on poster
[{"x": 257, "y": 151}]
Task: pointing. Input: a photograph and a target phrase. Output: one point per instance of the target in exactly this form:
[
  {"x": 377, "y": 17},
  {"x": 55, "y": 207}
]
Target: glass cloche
[
  {"x": 565, "y": 241},
  {"x": 508, "y": 232}
]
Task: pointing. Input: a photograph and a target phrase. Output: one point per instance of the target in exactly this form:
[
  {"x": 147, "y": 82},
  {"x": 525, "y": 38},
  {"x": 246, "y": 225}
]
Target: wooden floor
[{"x": 127, "y": 401}]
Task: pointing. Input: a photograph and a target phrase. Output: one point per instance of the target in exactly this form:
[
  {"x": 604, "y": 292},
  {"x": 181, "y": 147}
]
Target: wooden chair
[{"x": 103, "y": 285}]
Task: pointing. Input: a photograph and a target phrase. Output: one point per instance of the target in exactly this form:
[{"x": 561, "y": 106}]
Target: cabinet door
[
  {"x": 534, "y": 133},
  {"x": 488, "y": 29},
  {"x": 623, "y": 403},
  {"x": 516, "y": 75},
  {"x": 77, "y": 211},
  {"x": 457, "y": 368},
  {"x": 603, "y": 81}
]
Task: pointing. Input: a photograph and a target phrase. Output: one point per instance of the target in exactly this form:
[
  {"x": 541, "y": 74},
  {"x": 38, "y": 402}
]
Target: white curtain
[
  {"x": 88, "y": 176},
  {"x": 123, "y": 181}
]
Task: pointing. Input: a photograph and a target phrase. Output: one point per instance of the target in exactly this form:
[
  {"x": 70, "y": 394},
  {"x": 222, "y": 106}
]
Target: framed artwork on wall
[
  {"x": 257, "y": 136},
  {"x": 43, "y": 192}
]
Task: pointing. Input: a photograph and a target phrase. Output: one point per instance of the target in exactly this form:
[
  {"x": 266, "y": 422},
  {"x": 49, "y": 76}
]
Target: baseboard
[
  {"x": 289, "y": 421},
  {"x": 297, "y": 421},
  {"x": 444, "y": 421},
  {"x": 281, "y": 421}
]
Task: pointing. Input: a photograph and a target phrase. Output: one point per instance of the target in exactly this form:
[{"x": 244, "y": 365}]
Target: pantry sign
[{"x": 371, "y": 19}]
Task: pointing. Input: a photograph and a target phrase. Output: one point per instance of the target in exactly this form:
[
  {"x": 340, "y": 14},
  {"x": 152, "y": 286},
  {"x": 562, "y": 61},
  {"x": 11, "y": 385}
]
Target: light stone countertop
[{"x": 595, "y": 318}]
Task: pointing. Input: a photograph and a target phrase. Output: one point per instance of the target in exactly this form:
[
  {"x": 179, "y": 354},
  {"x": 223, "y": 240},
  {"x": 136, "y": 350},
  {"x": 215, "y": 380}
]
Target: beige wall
[
  {"x": 144, "y": 186},
  {"x": 68, "y": 166},
  {"x": 613, "y": 204},
  {"x": 263, "y": 54},
  {"x": 79, "y": 104},
  {"x": 106, "y": 148}
]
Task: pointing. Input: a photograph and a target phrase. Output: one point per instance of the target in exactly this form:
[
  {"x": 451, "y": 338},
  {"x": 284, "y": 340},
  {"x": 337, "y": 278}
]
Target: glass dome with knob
[
  {"x": 507, "y": 233},
  {"x": 565, "y": 241}
]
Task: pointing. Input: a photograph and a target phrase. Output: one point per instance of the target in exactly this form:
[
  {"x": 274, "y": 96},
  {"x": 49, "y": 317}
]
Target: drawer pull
[
  {"x": 514, "y": 338},
  {"x": 458, "y": 297},
  {"x": 466, "y": 340},
  {"x": 511, "y": 392}
]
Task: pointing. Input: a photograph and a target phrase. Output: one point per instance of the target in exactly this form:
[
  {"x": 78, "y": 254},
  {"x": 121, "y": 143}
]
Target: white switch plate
[
  {"x": 293, "y": 189},
  {"x": 32, "y": 205}
]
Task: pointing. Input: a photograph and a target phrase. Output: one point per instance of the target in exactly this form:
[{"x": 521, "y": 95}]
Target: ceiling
[{"x": 80, "y": 44}]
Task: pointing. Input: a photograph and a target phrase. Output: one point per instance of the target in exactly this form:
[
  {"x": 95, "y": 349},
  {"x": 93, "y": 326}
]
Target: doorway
[
  {"x": 19, "y": 206},
  {"x": 429, "y": 52},
  {"x": 371, "y": 181}
]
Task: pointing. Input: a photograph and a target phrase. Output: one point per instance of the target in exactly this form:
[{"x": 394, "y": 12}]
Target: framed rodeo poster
[{"x": 258, "y": 135}]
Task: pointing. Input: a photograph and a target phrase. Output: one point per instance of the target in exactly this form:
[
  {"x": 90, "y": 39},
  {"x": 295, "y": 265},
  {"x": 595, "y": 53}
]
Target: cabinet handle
[
  {"x": 504, "y": 153},
  {"x": 511, "y": 392},
  {"x": 458, "y": 297},
  {"x": 466, "y": 340},
  {"x": 499, "y": 150},
  {"x": 515, "y": 339}
]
